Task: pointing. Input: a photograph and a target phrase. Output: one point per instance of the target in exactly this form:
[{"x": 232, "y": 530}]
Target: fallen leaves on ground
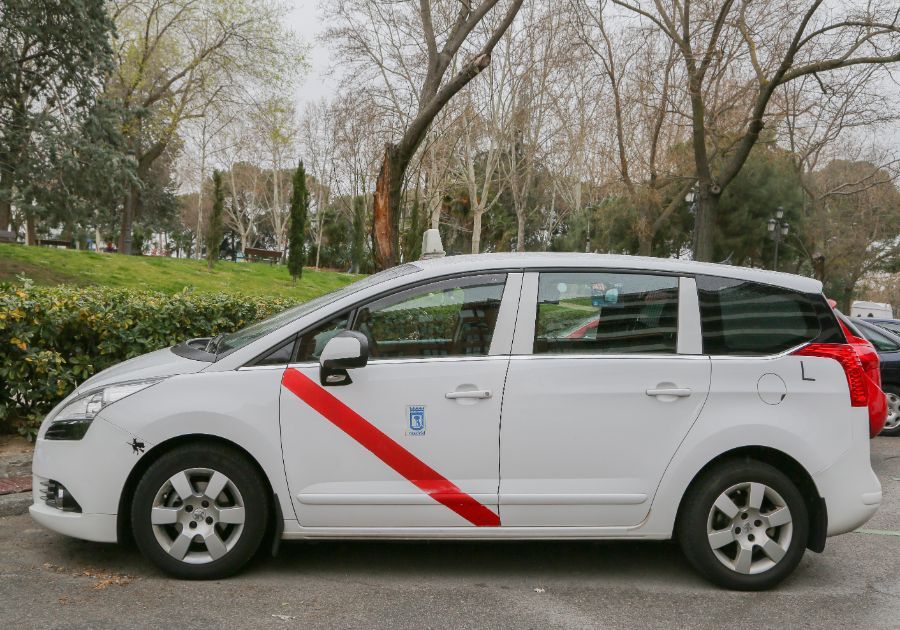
[{"x": 102, "y": 579}]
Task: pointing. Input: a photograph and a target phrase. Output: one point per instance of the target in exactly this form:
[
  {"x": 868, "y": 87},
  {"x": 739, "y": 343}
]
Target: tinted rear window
[{"x": 747, "y": 318}]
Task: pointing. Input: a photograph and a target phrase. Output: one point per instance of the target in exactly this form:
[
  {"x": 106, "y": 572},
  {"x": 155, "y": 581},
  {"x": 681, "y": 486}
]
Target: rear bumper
[{"x": 851, "y": 491}]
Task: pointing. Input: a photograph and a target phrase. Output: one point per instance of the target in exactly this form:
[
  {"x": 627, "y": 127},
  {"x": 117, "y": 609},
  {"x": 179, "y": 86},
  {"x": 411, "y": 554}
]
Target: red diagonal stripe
[{"x": 387, "y": 450}]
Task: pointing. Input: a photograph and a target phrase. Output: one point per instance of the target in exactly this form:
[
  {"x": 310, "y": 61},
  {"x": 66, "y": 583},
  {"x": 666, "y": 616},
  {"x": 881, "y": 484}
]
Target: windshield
[{"x": 233, "y": 341}]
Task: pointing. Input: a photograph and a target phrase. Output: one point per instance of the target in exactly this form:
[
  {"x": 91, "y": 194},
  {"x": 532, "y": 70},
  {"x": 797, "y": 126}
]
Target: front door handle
[
  {"x": 678, "y": 392},
  {"x": 480, "y": 394}
]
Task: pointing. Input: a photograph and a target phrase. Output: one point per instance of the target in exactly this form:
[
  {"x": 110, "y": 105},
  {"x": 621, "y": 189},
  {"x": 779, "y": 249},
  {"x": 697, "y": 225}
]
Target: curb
[{"x": 15, "y": 504}]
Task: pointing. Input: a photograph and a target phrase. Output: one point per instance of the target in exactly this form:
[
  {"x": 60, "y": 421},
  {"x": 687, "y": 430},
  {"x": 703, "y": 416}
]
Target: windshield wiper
[{"x": 212, "y": 346}]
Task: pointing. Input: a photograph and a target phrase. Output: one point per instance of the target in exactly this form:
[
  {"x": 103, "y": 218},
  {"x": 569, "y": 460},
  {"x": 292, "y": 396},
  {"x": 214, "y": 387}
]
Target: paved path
[{"x": 49, "y": 581}]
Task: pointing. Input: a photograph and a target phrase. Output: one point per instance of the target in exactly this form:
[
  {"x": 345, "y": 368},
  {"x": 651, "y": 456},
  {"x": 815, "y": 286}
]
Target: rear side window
[
  {"x": 606, "y": 313},
  {"x": 748, "y": 318}
]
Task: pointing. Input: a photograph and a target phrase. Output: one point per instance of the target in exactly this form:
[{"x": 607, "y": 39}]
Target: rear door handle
[
  {"x": 478, "y": 393},
  {"x": 679, "y": 392}
]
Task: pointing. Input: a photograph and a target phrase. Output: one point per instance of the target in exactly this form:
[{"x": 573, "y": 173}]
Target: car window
[
  {"x": 448, "y": 318},
  {"x": 882, "y": 342},
  {"x": 612, "y": 313},
  {"x": 280, "y": 355},
  {"x": 748, "y": 318},
  {"x": 889, "y": 326},
  {"x": 313, "y": 340},
  {"x": 233, "y": 341}
]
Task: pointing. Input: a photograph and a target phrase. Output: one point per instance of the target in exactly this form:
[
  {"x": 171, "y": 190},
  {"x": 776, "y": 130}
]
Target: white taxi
[{"x": 516, "y": 396}]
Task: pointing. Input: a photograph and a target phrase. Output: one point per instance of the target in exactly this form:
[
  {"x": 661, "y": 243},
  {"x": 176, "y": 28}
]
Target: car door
[
  {"x": 413, "y": 441},
  {"x": 605, "y": 381}
]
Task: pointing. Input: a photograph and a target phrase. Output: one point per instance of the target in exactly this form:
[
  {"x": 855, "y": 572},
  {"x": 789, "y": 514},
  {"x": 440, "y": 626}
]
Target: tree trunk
[
  {"x": 705, "y": 224},
  {"x": 359, "y": 226},
  {"x": 30, "y": 231},
  {"x": 520, "y": 229},
  {"x": 645, "y": 243},
  {"x": 386, "y": 217},
  {"x": 6, "y": 176},
  {"x": 125, "y": 233},
  {"x": 476, "y": 230}
]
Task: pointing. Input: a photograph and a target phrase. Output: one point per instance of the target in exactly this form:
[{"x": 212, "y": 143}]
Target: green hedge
[{"x": 52, "y": 338}]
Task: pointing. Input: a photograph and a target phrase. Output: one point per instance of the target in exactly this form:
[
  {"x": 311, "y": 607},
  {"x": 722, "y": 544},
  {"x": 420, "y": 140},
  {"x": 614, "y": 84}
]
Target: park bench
[
  {"x": 252, "y": 253},
  {"x": 7, "y": 236},
  {"x": 55, "y": 242}
]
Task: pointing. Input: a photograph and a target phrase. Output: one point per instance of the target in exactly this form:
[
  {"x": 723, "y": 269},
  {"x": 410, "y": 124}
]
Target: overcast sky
[{"x": 305, "y": 20}]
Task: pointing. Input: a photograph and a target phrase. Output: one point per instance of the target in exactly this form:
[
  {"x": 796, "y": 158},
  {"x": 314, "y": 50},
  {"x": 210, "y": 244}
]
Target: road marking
[
  {"x": 387, "y": 450},
  {"x": 877, "y": 532}
]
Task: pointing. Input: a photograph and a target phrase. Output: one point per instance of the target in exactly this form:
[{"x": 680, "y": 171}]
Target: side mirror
[{"x": 346, "y": 350}]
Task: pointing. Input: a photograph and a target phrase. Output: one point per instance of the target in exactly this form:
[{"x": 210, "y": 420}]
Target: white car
[{"x": 516, "y": 396}]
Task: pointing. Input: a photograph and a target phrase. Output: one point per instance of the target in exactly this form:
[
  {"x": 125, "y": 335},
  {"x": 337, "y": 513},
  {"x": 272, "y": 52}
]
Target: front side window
[
  {"x": 747, "y": 318},
  {"x": 606, "y": 313},
  {"x": 447, "y": 318},
  {"x": 236, "y": 340}
]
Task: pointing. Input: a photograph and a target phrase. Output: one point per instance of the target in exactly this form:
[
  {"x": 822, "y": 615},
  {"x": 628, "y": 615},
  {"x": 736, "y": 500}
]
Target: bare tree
[
  {"x": 401, "y": 41},
  {"x": 317, "y": 131},
  {"x": 276, "y": 133},
  {"x": 175, "y": 58},
  {"x": 637, "y": 72},
  {"x": 536, "y": 59},
  {"x": 765, "y": 45}
]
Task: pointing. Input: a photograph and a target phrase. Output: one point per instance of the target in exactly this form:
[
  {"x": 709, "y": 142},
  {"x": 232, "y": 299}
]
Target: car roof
[{"x": 559, "y": 260}]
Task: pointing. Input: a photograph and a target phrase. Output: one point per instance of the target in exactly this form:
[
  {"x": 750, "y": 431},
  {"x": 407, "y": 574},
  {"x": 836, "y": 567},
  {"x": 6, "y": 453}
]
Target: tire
[
  {"x": 892, "y": 424},
  {"x": 223, "y": 532},
  {"x": 748, "y": 555}
]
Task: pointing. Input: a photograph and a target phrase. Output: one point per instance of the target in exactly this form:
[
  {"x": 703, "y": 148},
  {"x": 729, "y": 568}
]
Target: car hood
[{"x": 152, "y": 365}]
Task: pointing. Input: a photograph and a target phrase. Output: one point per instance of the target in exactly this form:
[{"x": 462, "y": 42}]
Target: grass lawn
[{"x": 49, "y": 266}]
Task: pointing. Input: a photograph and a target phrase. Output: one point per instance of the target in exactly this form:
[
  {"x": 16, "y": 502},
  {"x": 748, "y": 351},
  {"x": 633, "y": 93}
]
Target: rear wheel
[
  {"x": 743, "y": 525},
  {"x": 892, "y": 423},
  {"x": 200, "y": 512}
]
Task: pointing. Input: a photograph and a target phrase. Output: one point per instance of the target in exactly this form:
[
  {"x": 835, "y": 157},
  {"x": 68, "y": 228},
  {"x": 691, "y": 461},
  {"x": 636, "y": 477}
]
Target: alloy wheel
[
  {"x": 749, "y": 528},
  {"x": 198, "y": 515},
  {"x": 893, "y": 415}
]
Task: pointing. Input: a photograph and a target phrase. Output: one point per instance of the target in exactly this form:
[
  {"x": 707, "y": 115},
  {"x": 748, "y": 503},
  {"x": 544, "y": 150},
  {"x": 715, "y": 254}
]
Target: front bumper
[
  {"x": 95, "y": 527},
  {"x": 94, "y": 470}
]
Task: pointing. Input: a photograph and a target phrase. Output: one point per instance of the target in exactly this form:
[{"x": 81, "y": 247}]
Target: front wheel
[
  {"x": 743, "y": 525},
  {"x": 200, "y": 512},
  {"x": 892, "y": 422}
]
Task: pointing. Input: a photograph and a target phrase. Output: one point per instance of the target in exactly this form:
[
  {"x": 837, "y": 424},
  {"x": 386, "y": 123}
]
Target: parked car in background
[
  {"x": 862, "y": 308},
  {"x": 887, "y": 345},
  {"x": 891, "y": 325}
]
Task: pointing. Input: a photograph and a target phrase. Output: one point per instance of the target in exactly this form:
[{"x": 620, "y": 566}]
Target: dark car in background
[
  {"x": 890, "y": 325},
  {"x": 887, "y": 344}
]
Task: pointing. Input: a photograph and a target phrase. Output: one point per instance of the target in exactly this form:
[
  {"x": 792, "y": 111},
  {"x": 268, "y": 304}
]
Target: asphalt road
[{"x": 47, "y": 580}]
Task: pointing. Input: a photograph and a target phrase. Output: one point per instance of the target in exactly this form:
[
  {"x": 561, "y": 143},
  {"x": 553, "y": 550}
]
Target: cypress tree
[
  {"x": 215, "y": 230},
  {"x": 297, "y": 234}
]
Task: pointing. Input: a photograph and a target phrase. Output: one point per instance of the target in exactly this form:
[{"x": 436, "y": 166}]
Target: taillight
[{"x": 849, "y": 360}]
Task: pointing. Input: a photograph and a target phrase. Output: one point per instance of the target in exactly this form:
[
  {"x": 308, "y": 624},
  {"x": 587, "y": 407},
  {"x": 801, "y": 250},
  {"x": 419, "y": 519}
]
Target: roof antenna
[{"x": 431, "y": 245}]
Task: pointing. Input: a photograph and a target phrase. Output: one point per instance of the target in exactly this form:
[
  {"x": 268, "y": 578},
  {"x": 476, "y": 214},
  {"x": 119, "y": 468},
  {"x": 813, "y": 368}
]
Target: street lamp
[
  {"x": 691, "y": 197},
  {"x": 778, "y": 231}
]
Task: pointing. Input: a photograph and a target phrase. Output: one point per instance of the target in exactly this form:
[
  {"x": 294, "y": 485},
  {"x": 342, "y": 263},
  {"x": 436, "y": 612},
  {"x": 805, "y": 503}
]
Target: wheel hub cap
[
  {"x": 198, "y": 515},
  {"x": 749, "y": 528},
  {"x": 893, "y": 416}
]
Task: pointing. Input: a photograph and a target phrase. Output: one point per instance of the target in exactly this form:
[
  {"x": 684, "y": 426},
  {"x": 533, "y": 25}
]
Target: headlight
[{"x": 73, "y": 420}]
